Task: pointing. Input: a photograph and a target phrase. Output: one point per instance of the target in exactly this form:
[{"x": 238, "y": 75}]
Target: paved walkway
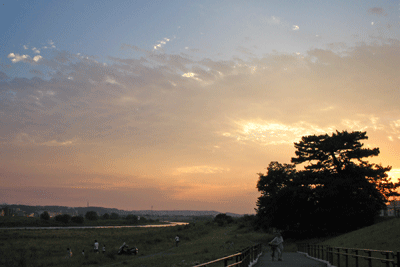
[{"x": 290, "y": 259}]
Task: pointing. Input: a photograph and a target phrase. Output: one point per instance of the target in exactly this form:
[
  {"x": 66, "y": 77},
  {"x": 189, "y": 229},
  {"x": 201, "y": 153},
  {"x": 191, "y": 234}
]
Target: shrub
[
  {"x": 132, "y": 219},
  {"x": 45, "y": 216},
  {"x": 65, "y": 218},
  {"x": 91, "y": 216},
  {"x": 78, "y": 219},
  {"x": 114, "y": 216},
  {"x": 223, "y": 219}
]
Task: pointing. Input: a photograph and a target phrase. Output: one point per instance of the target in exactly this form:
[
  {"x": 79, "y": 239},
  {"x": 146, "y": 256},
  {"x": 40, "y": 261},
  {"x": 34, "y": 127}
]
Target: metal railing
[
  {"x": 339, "y": 256},
  {"x": 241, "y": 259}
]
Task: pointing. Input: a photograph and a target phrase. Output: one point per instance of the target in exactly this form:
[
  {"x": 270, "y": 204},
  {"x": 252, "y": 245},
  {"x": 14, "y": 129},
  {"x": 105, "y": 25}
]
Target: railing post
[
  {"x": 319, "y": 251},
  {"x": 398, "y": 259},
  {"x": 346, "y": 250},
  {"x": 356, "y": 257},
  {"x": 225, "y": 262},
  {"x": 387, "y": 258},
  {"x": 369, "y": 258},
  {"x": 327, "y": 254},
  {"x": 338, "y": 257}
]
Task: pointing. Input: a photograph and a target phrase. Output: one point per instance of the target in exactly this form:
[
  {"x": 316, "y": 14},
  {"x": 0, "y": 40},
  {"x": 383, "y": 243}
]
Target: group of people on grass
[
  {"x": 276, "y": 246},
  {"x": 95, "y": 249}
]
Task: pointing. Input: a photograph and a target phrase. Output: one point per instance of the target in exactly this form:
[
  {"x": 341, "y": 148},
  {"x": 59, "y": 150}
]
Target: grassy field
[
  {"x": 381, "y": 236},
  {"x": 200, "y": 242}
]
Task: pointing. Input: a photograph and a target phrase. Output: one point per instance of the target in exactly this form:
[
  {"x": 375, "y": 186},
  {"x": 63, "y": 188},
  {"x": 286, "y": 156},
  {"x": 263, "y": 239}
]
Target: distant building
[
  {"x": 392, "y": 209},
  {"x": 20, "y": 213}
]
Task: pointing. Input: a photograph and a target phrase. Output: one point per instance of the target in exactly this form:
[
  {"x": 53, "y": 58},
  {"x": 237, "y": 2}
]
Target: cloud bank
[{"x": 205, "y": 126}]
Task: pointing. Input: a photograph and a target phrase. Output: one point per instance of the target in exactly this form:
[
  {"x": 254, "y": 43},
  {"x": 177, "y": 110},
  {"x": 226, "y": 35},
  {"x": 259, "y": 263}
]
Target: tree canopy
[
  {"x": 91, "y": 216},
  {"x": 337, "y": 191}
]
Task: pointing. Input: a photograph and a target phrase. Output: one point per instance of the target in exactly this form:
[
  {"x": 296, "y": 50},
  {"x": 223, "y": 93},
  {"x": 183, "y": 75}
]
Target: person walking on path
[
  {"x": 177, "y": 240},
  {"x": 104, "y": 249},
  {"x": 96, "y": 246},
  {"x": 277, "y": 246}
]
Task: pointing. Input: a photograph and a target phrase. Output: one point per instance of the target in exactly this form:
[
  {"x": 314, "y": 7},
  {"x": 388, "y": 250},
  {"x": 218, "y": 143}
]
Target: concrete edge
[
  {"x": 255, "y": 261},
  {"x": 316, "y": 259}
]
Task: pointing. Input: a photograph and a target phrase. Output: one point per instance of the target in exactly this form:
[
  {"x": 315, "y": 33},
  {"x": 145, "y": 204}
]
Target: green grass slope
[
  {"x": 381, "y": 236},
  {"x": 199, "y": 243}
]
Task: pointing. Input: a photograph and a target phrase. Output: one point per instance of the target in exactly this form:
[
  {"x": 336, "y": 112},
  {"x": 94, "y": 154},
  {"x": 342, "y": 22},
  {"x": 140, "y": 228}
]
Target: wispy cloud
[
  {"x": 160, "y": 44},
  {"x": 202, "y": 169},
  {"x": 37, "y": 58},
  {"x": 25, "y": 58},
  {"x": 274, "y": 20},
  {"x": 168, "y": 113},
  {"x": 377, "y": 11},
  {"x": 35, "y": 50},
  {"x": 25, "y": 139},
  {"x": 17, "y": 58}
]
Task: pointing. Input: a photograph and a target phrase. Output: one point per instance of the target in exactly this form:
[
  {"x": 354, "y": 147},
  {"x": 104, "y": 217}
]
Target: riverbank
[
  {"x": 35, "y": 222},
  {"x": 165, "y": 224}
]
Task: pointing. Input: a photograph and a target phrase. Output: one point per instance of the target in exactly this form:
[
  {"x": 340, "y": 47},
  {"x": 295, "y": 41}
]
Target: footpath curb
[{"x": 316, "y": 259}]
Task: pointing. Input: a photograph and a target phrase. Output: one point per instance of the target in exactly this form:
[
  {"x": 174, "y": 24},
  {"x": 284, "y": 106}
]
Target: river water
[{"x": 168, "y": 224}]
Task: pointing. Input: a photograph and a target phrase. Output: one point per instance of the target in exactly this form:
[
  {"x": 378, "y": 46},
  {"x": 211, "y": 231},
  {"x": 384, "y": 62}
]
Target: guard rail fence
[
  {"x": 245, "y": 258},
  {"x": 349, "y": 257}
]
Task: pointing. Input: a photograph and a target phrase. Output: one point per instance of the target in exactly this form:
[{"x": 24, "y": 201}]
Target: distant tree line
[
  {"x": 337, "y": 191},
  {"x": 93, "y": 216}
]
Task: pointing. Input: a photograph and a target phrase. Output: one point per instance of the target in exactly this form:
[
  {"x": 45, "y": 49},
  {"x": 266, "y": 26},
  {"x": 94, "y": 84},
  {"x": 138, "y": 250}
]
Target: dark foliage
[
  {"x": 338, "y": 191},
  {"x": 45, "y": 216},
  {"x": 222, "y": 219},
  {"x": 77, "y": 219},
  {"x": 132, "y": 219},
  {"x": 114, "y": 216},
  {"x": 91, "y": 216},
  {"x": 64, "y": 218}
]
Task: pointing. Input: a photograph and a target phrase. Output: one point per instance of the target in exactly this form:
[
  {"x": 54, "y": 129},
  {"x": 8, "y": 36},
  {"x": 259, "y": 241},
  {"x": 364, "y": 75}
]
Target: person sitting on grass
[{"x": 69, "y": 253}]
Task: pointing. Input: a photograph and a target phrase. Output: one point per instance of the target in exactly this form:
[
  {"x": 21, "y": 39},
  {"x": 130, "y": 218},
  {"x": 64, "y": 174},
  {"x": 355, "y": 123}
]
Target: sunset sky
[{"x": 177, "y": 105}]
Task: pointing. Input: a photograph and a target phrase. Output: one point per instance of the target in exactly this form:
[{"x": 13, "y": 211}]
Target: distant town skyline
[{"x": 179, "y": 104}]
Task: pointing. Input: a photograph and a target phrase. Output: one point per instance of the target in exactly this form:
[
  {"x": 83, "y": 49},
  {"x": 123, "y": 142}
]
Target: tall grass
[
  {"x": 381, "y": 236},
  {"x": 199, "y": 243}
]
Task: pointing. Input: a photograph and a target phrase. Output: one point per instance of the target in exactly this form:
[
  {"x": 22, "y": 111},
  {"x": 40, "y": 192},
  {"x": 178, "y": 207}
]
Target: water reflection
[{"x": 167, "y": 224}]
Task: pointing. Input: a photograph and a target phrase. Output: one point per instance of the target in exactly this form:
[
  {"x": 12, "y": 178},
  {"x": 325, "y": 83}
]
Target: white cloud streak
[{"x": 17, "y": 58}]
